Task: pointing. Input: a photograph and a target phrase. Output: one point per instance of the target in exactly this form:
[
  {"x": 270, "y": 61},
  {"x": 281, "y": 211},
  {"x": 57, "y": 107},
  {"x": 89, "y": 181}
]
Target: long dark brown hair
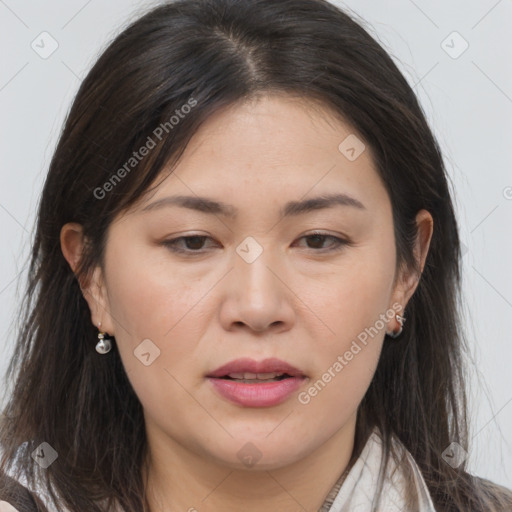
[{"x": 210, "y": 54}]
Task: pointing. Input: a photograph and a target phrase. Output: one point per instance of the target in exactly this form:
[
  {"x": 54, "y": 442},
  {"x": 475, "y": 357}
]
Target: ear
[
  {"x": 94, "y": 290},
  {"x": 408, "y": 278}
]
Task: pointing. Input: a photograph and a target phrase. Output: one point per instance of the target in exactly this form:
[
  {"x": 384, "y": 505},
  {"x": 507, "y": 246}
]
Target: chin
[{"x": 259, "y": 454}]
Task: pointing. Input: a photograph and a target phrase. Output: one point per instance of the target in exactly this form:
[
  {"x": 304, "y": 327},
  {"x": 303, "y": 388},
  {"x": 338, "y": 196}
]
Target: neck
[{"x": 181, "y": 479}]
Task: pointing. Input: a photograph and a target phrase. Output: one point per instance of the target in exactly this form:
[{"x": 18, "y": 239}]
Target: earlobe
[
  {"x": 95, "y": 293},
  {"x": 394, "y": 334}
]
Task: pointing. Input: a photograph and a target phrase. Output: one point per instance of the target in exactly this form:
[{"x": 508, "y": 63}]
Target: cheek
[
  {"x": 333, "y": 396},
  {"x": 354, "y": 306},
  {"x": 353, "y": 295},
  {"x": 150, "y": 302},
  {"x": 147, "y": 296}
]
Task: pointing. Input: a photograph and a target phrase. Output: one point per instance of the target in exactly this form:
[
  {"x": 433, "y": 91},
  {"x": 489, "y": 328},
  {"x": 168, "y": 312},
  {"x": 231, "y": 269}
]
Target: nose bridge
[
  {"x": 257, "y": 295},
  {"x": 253, "y": 267}
]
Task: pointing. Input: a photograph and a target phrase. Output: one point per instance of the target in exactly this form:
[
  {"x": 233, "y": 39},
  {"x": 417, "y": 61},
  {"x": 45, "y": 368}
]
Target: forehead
[{"x": 276, "y": 148}]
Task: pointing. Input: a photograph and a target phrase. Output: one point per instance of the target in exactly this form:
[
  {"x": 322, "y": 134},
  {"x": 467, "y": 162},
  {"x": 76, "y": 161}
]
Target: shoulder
[
  {"x": 497, "y": 494},
  {"x": 15, "y": 497},
  {"x": 7, "y": 507}
]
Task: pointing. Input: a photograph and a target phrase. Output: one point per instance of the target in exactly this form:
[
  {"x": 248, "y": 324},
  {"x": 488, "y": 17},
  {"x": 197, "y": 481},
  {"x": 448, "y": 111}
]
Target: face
[{"x": 267, "y": 273}]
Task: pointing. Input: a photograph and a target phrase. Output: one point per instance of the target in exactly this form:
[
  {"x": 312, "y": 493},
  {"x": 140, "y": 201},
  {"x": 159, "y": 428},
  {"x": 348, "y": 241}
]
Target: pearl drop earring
[
  {"x": 401, "y": 321},
  {"x": 104, "y": 345}
]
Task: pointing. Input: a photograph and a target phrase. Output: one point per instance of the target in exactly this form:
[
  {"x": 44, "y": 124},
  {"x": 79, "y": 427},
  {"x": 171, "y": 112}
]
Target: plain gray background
[{"x": 463, "y": 80}]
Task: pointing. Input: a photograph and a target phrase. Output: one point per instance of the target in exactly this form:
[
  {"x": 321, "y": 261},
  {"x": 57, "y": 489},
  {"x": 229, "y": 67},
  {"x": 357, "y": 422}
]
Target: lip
[
  {"x": 251, "y": 366},
  {"x": 264, "y": 394}
]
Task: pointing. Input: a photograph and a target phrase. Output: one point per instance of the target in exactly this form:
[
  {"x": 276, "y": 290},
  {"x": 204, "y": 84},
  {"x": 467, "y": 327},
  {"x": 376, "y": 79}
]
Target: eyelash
[{"x": 171, "y": 244}]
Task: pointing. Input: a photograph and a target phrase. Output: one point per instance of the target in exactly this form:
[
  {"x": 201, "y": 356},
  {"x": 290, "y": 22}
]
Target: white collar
[{"x": 357, "y": 492}]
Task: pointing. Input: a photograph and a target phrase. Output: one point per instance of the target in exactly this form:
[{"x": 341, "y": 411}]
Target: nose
[{"x": 257, "y": 296}]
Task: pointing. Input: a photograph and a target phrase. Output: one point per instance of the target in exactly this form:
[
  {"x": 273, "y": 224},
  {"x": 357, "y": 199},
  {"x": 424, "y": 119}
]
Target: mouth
[
  {"x": 249, "y": 369},
  {"x": 250, "y": 383},
  {"x": 256, "y": 378}
]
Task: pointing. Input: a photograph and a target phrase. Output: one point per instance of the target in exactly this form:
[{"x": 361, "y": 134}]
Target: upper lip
[{"x": 246, "y": 365}]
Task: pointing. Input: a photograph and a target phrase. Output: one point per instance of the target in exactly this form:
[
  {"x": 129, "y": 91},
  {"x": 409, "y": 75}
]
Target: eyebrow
[{"x": 292, "y": 208}]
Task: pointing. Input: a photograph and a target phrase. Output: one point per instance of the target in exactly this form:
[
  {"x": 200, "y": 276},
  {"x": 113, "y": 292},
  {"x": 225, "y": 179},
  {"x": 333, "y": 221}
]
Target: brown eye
[
  {"x": 317, "y": 240},
  {"x": 193, "y": 244}
]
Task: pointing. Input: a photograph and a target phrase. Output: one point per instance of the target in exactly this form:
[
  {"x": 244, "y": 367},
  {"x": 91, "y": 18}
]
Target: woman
[{"x": 244, "y": 281}]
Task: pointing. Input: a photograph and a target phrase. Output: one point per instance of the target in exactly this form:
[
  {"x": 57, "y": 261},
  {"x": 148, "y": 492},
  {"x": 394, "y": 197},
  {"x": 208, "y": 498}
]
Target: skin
[{"x": 297, "y": 302}]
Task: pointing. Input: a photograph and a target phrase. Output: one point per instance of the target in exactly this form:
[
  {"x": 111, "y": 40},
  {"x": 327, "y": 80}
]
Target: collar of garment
[{"x": 356, "y": 492}]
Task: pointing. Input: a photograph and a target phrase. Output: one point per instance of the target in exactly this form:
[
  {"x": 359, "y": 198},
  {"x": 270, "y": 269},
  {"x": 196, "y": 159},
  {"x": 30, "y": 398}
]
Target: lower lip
[{"x": 265, "y": 394}]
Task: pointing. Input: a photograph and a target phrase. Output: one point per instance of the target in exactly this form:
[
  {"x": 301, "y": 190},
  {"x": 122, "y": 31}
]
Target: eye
[
  {"x": 194, "y": 244},
  {"x": 319, "y": 238}
]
